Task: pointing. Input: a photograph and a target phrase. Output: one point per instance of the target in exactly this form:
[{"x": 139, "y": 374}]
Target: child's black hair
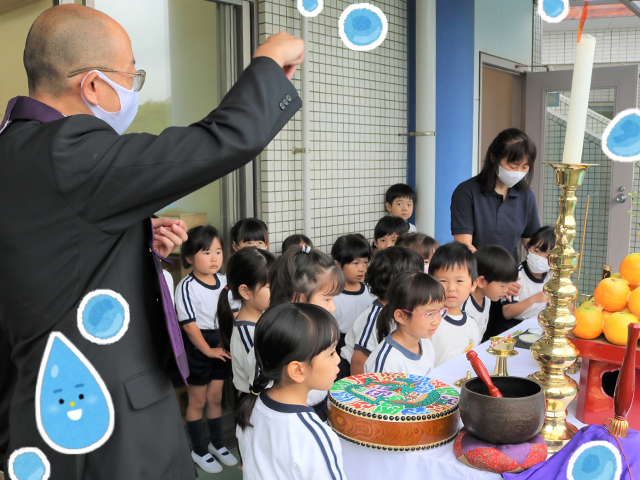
[
  {"x": 303, "y": 271},
  {"x": 248, "y": 266},
  {"x": 292, "y": 332},
  {"x": 399, "y": 190},
  {"x": 388, "y": 263},
  {"x": 545, "y": 236},
  {"x": 516, "y": 147},
  {"x": 348, "y": 248},
  {"x": 249, "y": 230},
  {"x": 295, "y": 239},
  {"x": 421, "y": 243},
  {"x": 388, "y": 225},
  {"x": 407, "y": 292},
  {"x": 199, "y": 238},
  {"x": 496, "y": 264},
  {"x": 454, "y": 254}
]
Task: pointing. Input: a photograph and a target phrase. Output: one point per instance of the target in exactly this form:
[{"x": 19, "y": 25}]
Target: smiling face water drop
[{"x": 74, "y": 410}]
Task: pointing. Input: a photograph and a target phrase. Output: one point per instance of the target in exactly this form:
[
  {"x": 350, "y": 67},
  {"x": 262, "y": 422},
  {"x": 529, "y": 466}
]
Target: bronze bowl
[{"x": 513, "y": 419}]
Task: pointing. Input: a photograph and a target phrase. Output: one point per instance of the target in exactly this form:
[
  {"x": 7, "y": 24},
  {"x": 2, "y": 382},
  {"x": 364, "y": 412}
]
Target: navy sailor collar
[
  {"x": 453, "y": 321},
  {"x": 359, "y": 292},
  {"x": 530, "y": 275},
  {"x": 404, "y": 351},
  {"x": 283, "y": 407},
  {"x": 205, "y": 285}
]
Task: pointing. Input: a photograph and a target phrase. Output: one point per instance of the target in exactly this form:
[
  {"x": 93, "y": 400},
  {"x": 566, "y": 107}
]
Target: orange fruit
[
  {"x": 588, "y": 303},
  {"x": 611, "y": 294},
  {"x": 630, "y": 268},
  {"x": 605, "y": 314},
  {"x": 588, "y": 322},
  {"x": 616, "y": 327},
  {"x": 616, "y": 275},
  {"x": 634, "y": 302}
]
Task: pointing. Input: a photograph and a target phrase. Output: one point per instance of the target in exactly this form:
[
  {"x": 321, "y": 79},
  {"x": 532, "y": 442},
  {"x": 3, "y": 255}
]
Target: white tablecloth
[{"x": 362, "y": 463}]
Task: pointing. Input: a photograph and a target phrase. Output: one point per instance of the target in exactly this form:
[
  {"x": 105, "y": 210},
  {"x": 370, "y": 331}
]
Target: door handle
[{"x": 621, "y": 198}]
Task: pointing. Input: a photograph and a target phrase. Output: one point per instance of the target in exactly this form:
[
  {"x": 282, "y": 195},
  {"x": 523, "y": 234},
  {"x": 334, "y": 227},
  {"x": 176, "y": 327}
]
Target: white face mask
[
  {"x": 120, "y": 120},
  {"x": 537, "y": 264},
  {"x": 510, "y": 177}
]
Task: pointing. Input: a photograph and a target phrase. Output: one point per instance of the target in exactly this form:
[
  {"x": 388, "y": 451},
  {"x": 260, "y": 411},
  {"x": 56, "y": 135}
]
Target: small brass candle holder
[
  {"x": 553, "y": 352},
  {"x": 503, "y": 351}
]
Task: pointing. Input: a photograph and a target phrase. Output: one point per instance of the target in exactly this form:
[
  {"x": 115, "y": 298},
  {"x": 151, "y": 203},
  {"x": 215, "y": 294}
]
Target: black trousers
[{"x": 497, "y": 322}]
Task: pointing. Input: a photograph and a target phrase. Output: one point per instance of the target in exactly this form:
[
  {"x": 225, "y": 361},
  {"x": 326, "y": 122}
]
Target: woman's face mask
[{"x": 510, "y": 177}]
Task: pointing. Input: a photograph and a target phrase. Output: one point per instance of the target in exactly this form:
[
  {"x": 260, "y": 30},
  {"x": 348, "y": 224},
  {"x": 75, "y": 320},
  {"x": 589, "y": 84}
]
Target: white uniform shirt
[
  {"x": 243, "y": 356},
  {"x": 392, "y": 357},
  {"x": 198, "y": 302},
  {"x": 349, "y": 305},
  {"x": 529, "y": 285},
  {"x": 288, "y": 442},
  {"x": 363, "y": 335},
  {"x": 455, "y": 335},
  {"x": 412, "y": 228},
  {"x": 478, "y": 313},
  {"x": 169, "y": 279}
]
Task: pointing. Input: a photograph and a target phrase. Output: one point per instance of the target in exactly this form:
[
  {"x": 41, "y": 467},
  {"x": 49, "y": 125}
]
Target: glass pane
[
  {"x": 175, "y": 42},
  {"x": 596, "y": 185}
]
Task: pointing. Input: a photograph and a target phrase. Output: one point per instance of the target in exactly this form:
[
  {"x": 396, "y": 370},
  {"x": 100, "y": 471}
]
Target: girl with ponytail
[
  {"x": 248, "y": 284},
  {"x": 279, "y": 435}
]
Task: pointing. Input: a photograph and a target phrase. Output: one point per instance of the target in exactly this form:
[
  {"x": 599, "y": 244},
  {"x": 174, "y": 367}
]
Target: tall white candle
[{"x": 580, "y": 86}]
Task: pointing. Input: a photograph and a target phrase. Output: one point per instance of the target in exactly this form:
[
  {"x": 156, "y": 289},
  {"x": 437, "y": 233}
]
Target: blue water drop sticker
[
  {"x": 29, "y": 463},
  {"x": 310, "y": 8},
  {"x": 597, "y": 460},
  {"x": 74, "y": 410},
  {"x": 621, "y": 138},
  {"x": 363, "y": 27},
  {"x": 103, "y": 317},
  {"x": 553, "y": 11}
]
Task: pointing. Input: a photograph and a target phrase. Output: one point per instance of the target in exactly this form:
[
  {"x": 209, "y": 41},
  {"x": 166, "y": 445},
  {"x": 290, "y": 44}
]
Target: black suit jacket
[{"x": 73, "y": 197}]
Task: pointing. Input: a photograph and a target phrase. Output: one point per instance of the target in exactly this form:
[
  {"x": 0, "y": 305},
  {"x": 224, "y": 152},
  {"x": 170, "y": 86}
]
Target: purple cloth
[
  {"x": 518, "y": 452},
  {"x": 591, "y": 454},
  {"x": 26, "y": 108}
]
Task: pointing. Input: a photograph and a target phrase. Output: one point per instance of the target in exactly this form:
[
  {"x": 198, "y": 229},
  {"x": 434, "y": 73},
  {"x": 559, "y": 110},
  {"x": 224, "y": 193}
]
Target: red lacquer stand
[{"x": 600, "y": 357}]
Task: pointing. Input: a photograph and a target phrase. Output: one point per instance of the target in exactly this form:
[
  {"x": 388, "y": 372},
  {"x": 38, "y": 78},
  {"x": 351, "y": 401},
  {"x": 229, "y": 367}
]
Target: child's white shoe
[
  {"x": 224, "y": 455},
  {"x": 206, "y": 463}
]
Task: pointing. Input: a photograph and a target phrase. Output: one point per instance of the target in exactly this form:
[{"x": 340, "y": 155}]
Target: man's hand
[
  {"x": 285, "y": 49},
  {"x": 168, "y": 233}
]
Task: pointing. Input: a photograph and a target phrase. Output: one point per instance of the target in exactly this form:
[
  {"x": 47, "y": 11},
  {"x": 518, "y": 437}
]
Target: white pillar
[
  {"x": 426, "y": 115},
  {"x": 305, "y": 115}
]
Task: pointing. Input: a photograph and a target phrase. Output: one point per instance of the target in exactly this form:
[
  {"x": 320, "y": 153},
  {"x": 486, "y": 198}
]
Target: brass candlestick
[
  {"x": 553, "y": 353},
  {"x": 502, "y": 352}
]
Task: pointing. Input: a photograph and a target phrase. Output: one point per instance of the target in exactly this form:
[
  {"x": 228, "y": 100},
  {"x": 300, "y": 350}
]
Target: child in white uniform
[
  {"x": 279, "y": 435},
  {"x": 362, "y": 338},
  {"x": 454, "y": 266},
  {"x": 425, "y": 245},
  {"x": 306, "y": 275},
  {"x": 351, "y": 254},
  {"x": 496, "y": 270},
  {"x": 534, "y": 274},
  {"x": 196, "y": 304},
  {"x": 248, "y": 283},
  {"x": 399, "y": 201},
  {"x": 415, "y": 308}
]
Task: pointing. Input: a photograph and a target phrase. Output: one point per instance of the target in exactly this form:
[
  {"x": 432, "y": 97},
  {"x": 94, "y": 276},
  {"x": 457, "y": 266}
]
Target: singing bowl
[{"x": 513, "y": 419}]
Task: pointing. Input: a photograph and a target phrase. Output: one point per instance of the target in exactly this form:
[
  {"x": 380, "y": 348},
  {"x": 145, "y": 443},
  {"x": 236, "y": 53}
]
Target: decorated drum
[{"x": 397, "y": 412}]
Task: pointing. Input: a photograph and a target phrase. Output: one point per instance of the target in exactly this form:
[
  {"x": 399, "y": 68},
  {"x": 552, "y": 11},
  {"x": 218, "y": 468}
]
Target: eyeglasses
[
  {"x": 431, "y": 316},
  {"x": 138, "y": 80}
]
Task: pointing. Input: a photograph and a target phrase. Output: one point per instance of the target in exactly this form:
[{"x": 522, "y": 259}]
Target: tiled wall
[
  {"x": 358, "y": 108},
  {"x": 536, "y": 54}
]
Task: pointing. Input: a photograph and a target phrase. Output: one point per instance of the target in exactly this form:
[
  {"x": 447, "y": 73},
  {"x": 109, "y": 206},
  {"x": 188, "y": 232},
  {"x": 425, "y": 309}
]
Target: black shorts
[{"x": 203, "y": 369}]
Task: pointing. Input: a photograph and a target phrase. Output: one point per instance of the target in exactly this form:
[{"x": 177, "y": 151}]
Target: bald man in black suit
[{"x": 75, "y": 196}]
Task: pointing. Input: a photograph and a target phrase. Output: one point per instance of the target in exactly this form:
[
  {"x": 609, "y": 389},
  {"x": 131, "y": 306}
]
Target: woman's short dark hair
[
  {"x": 295, "y": 239},
  {"x": 545, "y": 236},
  {"x": 303, "y": 271},
  {"x": 249, "y": 230},
  {"x": 451, "y": 255},
  {"x": 421, "y": 243},
  {"x": 496, "y": 264},
  {"x": 248, "y": 266},
  {"x": 407, "y": 292},
  {"x": 388, "y": 263},
  {"x": 199, "y": 238},
  {"x": 291, "y": 332},
  {"x": 516, "y": 147},
  {"x": 389, "y": 225},
  {"x": 348, "y": 248}
]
